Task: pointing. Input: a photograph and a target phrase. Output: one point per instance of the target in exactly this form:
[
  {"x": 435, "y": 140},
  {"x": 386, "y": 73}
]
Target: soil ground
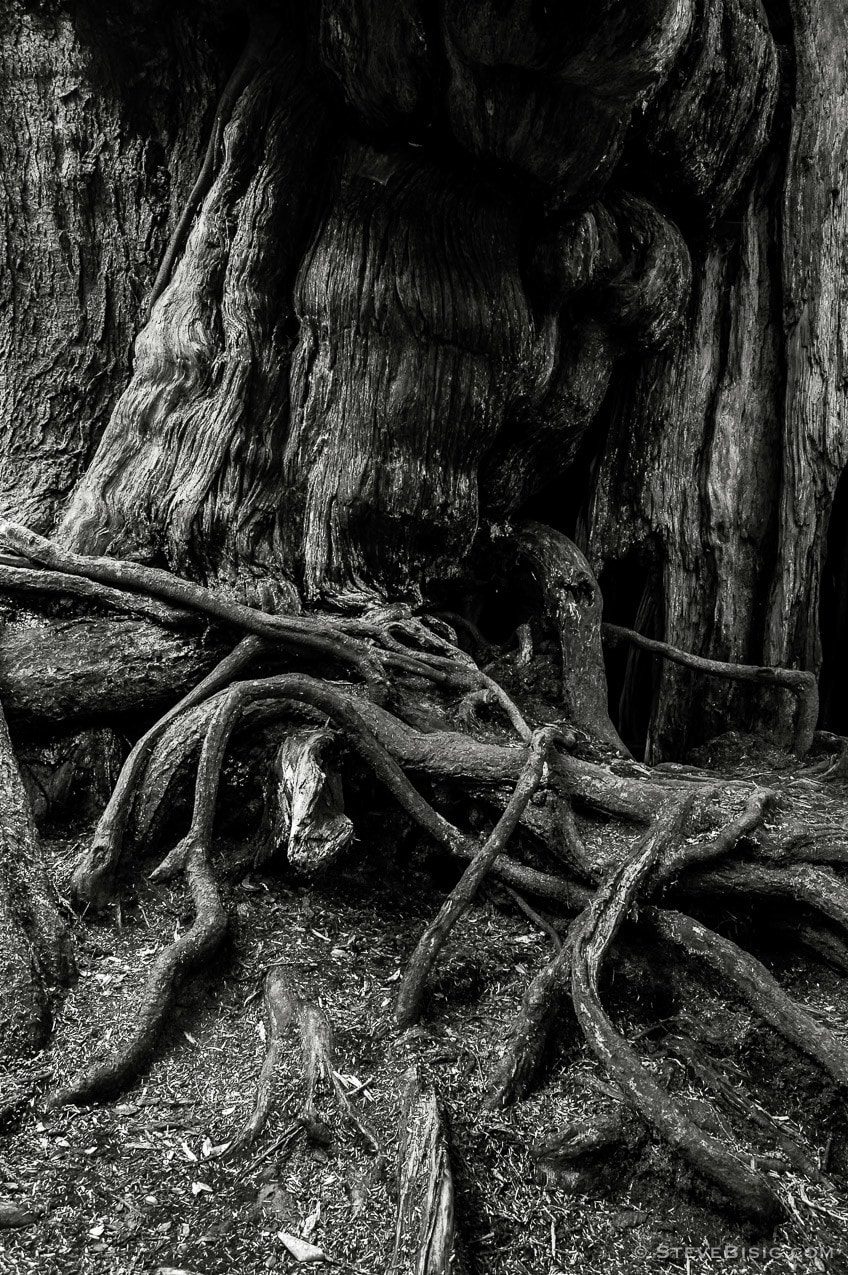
[{"x": 140, "y": 1185}]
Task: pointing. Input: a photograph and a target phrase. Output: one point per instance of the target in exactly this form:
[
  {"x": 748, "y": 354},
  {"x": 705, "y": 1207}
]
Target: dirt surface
[{"x": 144, "y": 1184}]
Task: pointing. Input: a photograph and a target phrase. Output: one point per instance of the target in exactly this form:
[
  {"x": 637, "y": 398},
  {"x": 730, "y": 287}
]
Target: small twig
[{"x": 538, "y": 920}]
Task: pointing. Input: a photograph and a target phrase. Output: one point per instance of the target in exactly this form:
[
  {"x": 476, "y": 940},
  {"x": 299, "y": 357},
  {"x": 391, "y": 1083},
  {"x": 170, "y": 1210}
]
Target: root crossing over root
[
  {"x": 434, "y": 937},
  {"x": 595, "y": 932}
]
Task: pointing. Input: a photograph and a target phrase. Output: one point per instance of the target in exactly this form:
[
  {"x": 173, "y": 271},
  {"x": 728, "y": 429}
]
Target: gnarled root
[
  {"x": 433, "y": 939},
  {"x": 287, "y": 1009},
  {"x": 171, "y": 968},
  {"x": 425, "y": 1235},
  {"x": 93, "y": 878},
  {"x": 753, "y": 982},
  {"x": 282, "y": 1007},
  {"x": 594, "y": 934},
  {"x": 684, "y": 1049}
]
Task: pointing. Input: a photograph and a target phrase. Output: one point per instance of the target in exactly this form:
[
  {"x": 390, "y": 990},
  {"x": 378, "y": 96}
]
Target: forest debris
[{"x": 301, "y": 1250}]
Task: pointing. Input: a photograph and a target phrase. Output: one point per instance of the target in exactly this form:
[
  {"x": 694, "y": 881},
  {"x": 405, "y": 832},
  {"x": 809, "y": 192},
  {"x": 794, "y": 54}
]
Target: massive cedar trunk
[{"x": 313, "y": 322}]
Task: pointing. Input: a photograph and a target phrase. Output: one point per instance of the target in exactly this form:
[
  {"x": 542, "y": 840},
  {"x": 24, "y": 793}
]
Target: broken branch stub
[
  {"x": 572, "y": 601},
  {"x": 308, "y": 822}
]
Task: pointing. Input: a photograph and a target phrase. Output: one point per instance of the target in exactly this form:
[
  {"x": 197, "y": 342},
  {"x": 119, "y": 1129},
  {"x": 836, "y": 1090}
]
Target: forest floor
[{"x": 140, "y": 1185}]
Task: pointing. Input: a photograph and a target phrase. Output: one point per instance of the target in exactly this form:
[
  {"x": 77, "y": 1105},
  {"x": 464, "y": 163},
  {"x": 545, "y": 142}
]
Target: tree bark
[{"x": 100, "y": 120}]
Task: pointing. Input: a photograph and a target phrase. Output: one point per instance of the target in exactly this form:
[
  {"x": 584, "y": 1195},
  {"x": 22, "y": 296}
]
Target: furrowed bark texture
[
  {"x": 34, "y": 944},
  {"x": 693, "y": 529},
  {"x": 99, "y": 129},
  {"x": 814, "y": 229},
  {"x": 741, "y": 422},
  {"x": 188, "y": 468},
  {"x": 425, "y": 1242}
]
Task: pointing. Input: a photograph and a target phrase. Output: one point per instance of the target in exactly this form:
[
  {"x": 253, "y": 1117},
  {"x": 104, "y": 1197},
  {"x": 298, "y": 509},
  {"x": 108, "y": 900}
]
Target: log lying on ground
[
  {"x": 35, "y": 950},
  {"x": 73, "y": 672},
  {"x": 425, "y": 1233}
]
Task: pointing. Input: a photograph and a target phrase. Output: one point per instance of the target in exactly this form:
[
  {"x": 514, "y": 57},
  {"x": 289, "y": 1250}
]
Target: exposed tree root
[
  {"x": 172, "y": 966},
  {"x": 514, "y": 770},
  {"x": 434, "y": 937},
  {"x": 818, "y": 887},
  {"x": 575, "y": 1156},
  {"x": 802, "y": 684},
  {"x": 286, "y": 1009},
  {"x": 594, "y": 934},
  {"x": 533, "y": 915},
  {"x": 541, "y": 1009},
  {"x": 823, "y": 943},
  {"x": 425, "y": 1236},
  {"x": 753, "y": 982},
  {"x": 93, "y": 877},
  {"x": 684, "y": 1049}
]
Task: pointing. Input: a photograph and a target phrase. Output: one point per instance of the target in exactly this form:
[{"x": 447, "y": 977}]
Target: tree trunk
[
  {"x": 527, "y": 315},
  {"x": 101, "y": 120}
]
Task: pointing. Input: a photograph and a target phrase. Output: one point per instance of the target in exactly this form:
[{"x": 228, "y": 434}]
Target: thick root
[
  {"x": 541, "y": 1009},
  {"x": 425, "y": 1232},
  {"x": 741, "y": 1104},
  {"x": 753, "y": 982},
  {"x": 286, "y": 1009},
  {"x": 282, "y": 1008}
]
